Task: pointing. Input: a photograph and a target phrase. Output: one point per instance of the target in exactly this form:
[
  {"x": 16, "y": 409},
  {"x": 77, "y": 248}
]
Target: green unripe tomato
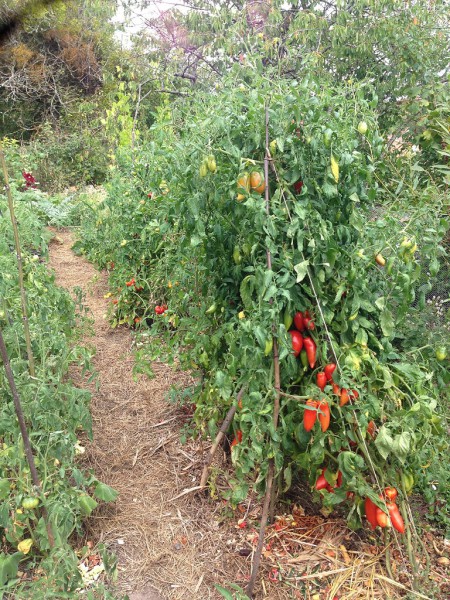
[
  {"x": 441, "y": 353},
  {"x": 30, "y": 503},
  {"x": 362, "y": 127}
]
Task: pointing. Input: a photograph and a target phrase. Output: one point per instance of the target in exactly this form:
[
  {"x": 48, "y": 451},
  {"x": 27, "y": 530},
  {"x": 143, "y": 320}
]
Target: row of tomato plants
[
  {"x": 56, "y": 414},
  {"x": 185, "y": 222}
]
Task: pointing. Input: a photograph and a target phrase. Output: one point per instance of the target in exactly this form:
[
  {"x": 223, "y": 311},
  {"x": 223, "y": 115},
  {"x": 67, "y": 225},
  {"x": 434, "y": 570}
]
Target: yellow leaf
[
  {"x": 25, "y": 545},
  {"x": 335, "y": 168},
  {"x": 241, "y": 315}
]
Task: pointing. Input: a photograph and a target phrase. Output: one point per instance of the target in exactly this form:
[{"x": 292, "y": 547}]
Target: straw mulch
[{"x": 173, "y": 543}]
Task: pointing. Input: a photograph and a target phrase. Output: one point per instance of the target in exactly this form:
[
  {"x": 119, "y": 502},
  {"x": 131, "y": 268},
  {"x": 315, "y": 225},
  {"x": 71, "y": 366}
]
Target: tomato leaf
[
  {"x": 301, "y": 269},
  {"x": 401, "y": 445},
  {"x": 225, "y": 593},
  {"x": 105, "y": 492},
  {"x": 387, "y": 323},
  {"x": 350, "y": 464},
  {"x": 384, "y": 442}
]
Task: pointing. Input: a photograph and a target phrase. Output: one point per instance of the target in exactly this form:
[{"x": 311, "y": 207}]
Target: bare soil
[{"x": 173, "y": 543}]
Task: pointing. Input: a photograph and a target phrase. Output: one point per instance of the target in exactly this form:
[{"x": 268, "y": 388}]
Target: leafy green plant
[
  {"x": 56, "y": 413},
  {"x": 172, "y": 233}
]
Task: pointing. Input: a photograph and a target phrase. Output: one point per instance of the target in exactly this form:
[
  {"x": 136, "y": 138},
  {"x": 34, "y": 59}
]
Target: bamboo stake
[
  {"x": 270, "y": 492},
  {"x": 219, "y": 438},
  {"x": 24, "y": 432},
  {"x": 23, "y": 296}
]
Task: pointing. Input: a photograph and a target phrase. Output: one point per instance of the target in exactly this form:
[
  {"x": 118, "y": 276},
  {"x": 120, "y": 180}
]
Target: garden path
[{"x": 167, "y": 549}]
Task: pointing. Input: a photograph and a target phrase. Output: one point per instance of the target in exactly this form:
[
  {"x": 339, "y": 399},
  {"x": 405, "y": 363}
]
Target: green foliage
[
  {"x": 173, "y": 234},
  {"x": 56, "y": 413}
]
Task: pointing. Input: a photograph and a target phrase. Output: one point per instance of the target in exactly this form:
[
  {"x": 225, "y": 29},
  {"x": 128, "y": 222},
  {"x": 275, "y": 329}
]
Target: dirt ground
[{"x": 172, "y": 543}]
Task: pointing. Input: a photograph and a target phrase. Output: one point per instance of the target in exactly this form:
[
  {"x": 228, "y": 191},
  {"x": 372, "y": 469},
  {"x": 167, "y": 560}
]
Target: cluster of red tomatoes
[
  {"x": 160, "y": 310},
  {"x": 132, "y": 282},
  {"x": 377, "y": 517}
]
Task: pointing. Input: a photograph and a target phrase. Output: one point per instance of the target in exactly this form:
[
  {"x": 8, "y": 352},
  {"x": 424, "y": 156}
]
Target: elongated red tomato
[
  {"x": 344, "y": 397},
  {"x": 324, "y": 418},
  {"x": 321, "y": 380},
  {"x": 310, "y": 416},
  {"x": 297, "y": 341},
  {"x": 329, "y": 370},
  {"x": 310, "y": 348},
  {"x": 298, "y": 321},
  {"x": 396, "y": 517},
  {"x": 371, "y": 512},
  {"x": 336, "y": 389}
]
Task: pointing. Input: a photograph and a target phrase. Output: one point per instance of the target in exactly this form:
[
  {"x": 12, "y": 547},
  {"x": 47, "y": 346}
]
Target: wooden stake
[
  {"x": 24, "y": 432},
  {"x": 269, "y": 498},
  {"x": 219, "y": 438},
  {"x": 23, "y": 296}
]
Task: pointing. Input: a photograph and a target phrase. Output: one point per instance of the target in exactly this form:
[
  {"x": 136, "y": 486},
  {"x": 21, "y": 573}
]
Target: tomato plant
[{"x": 230, "y": 305}]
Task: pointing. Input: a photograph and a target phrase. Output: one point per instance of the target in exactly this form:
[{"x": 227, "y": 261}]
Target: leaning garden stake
[
  {"x": 24, "y": 432},
  {"x": 23, "y": 296},
  {"x": 276, "y": 409}
]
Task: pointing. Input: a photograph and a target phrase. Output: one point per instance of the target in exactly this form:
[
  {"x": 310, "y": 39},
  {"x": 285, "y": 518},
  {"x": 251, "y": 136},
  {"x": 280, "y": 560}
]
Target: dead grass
[{"x": 179, "y": 544}]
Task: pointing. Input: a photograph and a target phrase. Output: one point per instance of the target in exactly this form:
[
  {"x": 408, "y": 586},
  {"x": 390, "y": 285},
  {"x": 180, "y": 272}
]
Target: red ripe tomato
[
  {"x": 298, "y": 185},
  {"x": 321, "y": 381},
  {"x": 298, "y": 321},
  {"x": 329, "y": 370},
  {"x": 336, "y": 389},
  {"x": 297, "y": 341},
  {"x": 396, "y": 517},
  {"x": 371, "y": 512},
  {"x": 310, "y": 416},
  {"x": 321, "y": 483},
  {"x": 309, "y": 323}
]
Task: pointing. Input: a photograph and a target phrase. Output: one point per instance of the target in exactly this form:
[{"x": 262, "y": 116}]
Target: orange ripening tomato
[
  {"x": 257, "y": 182},
  {"x": 391, "y": 493},
  {"x": 324, "y": 415},
  {"x": 371, "y": 429},
  {"x": 336, "y": 389},
  {"x": 238, "y": 439},
  {"x": 344, "y": 397},
  {"x": 310, "y": 416}
]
